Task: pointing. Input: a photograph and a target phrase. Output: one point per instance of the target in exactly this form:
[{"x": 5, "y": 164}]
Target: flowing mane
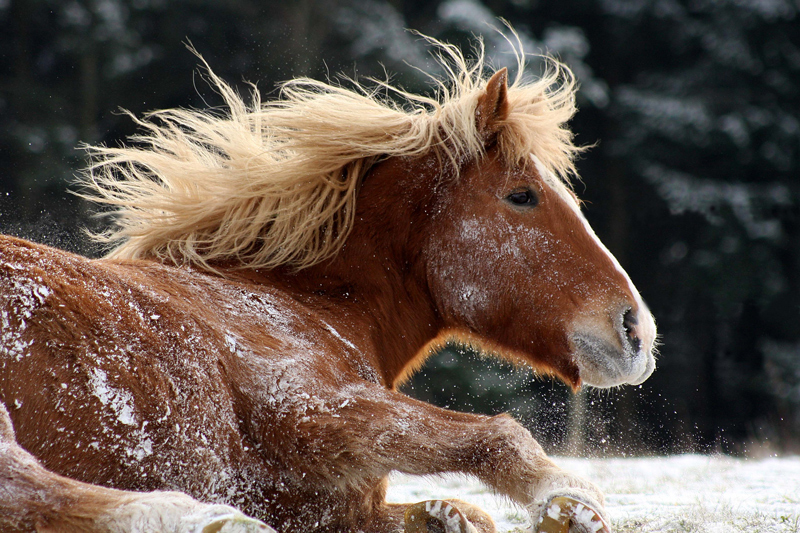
[{"x": 274, "y": 183}]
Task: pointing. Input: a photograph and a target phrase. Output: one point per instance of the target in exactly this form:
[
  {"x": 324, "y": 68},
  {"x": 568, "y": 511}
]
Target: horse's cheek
[{"x": 468, "y": 270}]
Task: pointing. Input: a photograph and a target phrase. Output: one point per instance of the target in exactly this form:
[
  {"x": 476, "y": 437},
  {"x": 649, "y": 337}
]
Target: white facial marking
[
  {"x": 646, "y": 328},
  {"x": 561, "y": 190}
]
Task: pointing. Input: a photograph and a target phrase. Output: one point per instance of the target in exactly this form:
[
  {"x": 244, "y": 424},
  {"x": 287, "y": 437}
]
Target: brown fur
[{"x": 274, "y": 390}]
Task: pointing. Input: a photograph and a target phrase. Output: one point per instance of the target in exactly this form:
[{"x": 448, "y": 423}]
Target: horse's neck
[
  {"x": 383, "y": 311},
  {"x": 373, "y": 287}
]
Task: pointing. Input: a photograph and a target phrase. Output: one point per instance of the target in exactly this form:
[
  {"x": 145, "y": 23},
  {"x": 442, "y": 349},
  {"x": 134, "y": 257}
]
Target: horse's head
[{"x": 513, "y": 266}]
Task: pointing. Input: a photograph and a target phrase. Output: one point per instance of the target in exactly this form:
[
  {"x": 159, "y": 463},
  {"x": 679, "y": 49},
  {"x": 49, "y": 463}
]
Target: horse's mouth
[{"x": 603, "y": 364}]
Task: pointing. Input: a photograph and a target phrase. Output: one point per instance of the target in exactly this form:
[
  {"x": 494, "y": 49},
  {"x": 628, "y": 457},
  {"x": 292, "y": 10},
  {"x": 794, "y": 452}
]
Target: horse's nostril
[{"x": 629, "y": 322}]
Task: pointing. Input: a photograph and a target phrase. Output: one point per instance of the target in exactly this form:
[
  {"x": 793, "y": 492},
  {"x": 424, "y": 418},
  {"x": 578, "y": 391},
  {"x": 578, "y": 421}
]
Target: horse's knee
[{"x": 506, "y": 447}]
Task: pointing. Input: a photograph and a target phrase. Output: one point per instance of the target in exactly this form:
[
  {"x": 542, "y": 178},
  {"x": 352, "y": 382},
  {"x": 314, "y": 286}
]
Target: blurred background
[{"x": 694, "y": 106}]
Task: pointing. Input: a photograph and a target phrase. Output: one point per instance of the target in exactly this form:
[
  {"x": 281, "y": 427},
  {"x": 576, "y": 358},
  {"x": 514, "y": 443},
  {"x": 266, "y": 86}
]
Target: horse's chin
[{"x": 603, "y": 364}]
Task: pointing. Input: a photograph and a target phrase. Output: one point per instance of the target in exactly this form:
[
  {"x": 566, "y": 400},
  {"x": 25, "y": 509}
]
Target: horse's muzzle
[{"x": 624, "y": 355}]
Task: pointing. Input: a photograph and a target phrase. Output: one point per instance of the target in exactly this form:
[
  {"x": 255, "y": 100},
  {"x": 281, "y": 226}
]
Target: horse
[{"x": 276, "y": 271}]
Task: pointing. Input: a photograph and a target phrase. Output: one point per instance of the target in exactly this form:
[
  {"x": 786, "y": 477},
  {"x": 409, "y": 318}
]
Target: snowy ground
[{"x": 682, "y": 494}]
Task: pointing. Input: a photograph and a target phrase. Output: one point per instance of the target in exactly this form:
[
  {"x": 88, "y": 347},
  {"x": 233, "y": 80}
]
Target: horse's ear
[{"x": 492, "y": 109}]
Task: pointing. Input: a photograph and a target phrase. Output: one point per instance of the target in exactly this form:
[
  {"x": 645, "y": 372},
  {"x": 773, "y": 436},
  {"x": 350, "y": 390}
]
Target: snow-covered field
[{"x": 687, "y": 493}]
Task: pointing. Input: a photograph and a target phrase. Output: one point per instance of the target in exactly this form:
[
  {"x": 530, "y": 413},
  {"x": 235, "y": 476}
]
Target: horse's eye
[{"x": 526, "y": 198}]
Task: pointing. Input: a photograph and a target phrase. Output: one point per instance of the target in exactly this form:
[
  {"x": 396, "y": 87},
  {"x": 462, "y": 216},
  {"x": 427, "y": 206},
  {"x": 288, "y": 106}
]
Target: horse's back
[{"x": 29, "y": 275}]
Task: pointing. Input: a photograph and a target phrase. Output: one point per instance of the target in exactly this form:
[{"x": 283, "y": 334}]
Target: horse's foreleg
[
  {"x": 394, "y": 432},
  {"x": 34, "y": 499}
]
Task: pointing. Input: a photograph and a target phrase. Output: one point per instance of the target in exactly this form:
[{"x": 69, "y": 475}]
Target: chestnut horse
[{"x": 279, "y": 270}]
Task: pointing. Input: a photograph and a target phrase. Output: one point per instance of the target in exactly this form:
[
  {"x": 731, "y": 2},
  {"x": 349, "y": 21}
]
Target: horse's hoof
[
  {"x": 564, "y": 514},
  {"x": 235, "y": 523},
  {"x": 436, "y": 516}
]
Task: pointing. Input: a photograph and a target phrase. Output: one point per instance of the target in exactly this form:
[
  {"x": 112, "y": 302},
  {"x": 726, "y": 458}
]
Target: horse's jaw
[{"x": 607, "y": 358}]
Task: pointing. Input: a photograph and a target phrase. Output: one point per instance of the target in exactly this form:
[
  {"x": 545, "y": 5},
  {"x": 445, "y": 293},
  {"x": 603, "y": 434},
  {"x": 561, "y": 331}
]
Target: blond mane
[{"x": 274, "y": 183}]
